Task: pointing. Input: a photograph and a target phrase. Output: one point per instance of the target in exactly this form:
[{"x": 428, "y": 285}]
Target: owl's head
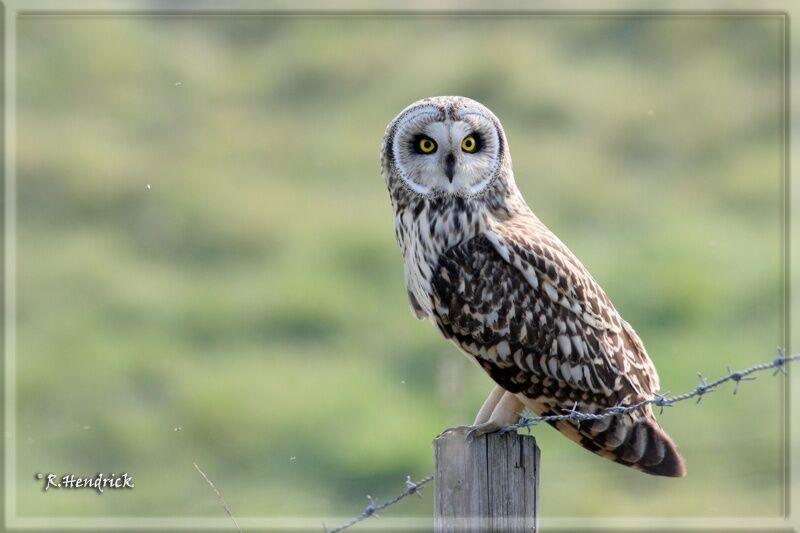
[{"x": 445, "y": 145}]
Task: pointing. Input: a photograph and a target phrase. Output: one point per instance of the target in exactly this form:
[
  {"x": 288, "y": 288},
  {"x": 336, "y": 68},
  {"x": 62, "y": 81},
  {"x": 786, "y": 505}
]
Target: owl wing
[
  {"x": 529, "y": 306},
  {"x": 519, "y": 302}
]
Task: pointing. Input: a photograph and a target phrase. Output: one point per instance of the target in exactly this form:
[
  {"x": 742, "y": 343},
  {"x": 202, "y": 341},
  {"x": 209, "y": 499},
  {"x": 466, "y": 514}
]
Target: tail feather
[
  {"x": 641, "y": 444},
  {"x": 662, "y": 457},
  {"x": 634, "y": 440}
]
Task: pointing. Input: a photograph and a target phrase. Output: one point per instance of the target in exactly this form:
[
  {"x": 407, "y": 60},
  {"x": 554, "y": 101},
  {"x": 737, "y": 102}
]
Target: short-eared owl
[{"x": 507, "y": 292}]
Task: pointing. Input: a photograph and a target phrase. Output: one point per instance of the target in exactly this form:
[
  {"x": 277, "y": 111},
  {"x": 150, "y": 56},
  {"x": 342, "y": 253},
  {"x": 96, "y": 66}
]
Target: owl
[{"x": 495, "y": 281}]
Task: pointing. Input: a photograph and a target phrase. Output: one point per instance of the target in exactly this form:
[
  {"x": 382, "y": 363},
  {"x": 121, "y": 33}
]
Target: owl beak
[{"x": 450, "y": 166}]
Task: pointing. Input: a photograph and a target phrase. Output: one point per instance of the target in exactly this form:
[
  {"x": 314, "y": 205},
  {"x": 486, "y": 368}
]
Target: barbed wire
[
  {"x": 659, "y": 400},
  {"x": 663, "y": 400},
  {"x": 372, "y": 508}
]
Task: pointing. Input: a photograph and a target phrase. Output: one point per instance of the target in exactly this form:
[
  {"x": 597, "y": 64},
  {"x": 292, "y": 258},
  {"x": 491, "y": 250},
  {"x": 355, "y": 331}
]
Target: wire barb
[
  {"x": 702, "y": 388},
  {"x": 662, "y": 401},
  {"x": 369, "y": 510},
  {"x": 413, "y": 488},
  {"x": 737, "y": 377},
  {"x": 525, "y": 422},
  {"x": 779, "y": 362},
  {"x": 575, "y": 415}
]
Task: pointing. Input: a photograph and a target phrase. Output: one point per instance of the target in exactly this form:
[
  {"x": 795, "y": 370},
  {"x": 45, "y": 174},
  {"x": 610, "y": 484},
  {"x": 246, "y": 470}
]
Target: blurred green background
[{"x": 207, "y": 270}]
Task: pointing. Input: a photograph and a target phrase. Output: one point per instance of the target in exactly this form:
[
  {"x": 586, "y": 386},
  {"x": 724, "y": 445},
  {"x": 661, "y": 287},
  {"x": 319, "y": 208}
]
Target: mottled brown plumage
[{"x": 508, "y": 292}]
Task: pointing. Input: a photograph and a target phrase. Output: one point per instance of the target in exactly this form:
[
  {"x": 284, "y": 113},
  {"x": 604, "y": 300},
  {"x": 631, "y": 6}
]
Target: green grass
[{"x": 253, "y": 295}]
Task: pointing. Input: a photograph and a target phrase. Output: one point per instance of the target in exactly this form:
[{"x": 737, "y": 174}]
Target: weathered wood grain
[{"x": 485, "y": 484}]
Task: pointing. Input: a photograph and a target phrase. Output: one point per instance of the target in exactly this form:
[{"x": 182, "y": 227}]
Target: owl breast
[{"x": 426, "y": 229}]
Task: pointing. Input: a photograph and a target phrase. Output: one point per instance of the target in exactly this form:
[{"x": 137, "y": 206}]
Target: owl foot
[
  {"x": 504, "y": 411},
  {"x": 501, "y": 409},
  {"x": 483, "y": 429}
]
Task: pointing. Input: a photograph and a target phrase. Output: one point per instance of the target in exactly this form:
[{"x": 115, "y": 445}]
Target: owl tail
[{"x": 640, "y": 442}]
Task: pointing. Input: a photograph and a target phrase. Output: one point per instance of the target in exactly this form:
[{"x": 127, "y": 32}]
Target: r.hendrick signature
[{"x": 98, "y": 482}]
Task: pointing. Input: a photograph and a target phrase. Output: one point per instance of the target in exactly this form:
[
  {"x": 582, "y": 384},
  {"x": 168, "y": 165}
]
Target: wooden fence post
[{"x": 489, "y": 483}]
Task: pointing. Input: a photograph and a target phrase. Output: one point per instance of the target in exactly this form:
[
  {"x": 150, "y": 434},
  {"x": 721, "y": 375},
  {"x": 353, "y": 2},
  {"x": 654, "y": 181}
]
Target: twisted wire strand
[
  {"x": 372, "y": 508},
  {"x": 660, "y": 400}
]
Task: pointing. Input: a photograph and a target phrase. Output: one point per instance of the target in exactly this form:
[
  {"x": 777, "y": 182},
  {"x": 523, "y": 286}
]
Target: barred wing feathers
[{"x": 519, "y": 302}]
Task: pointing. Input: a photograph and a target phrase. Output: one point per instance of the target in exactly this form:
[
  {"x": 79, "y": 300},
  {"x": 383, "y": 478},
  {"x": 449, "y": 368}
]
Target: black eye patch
[
  {"x": 422, "y": 144},
  {"x": 472, "y": 143}
]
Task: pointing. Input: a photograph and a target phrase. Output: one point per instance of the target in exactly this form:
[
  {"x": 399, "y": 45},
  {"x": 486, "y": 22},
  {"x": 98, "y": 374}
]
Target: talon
[
  {"x": 483, "y": 429},
  {"x": 454, "y": 428}
]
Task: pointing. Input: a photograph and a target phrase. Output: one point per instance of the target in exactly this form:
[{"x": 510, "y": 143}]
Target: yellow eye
[
  {"x": 469, "y": 144},
  {"x": 426, "y": 146}
]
